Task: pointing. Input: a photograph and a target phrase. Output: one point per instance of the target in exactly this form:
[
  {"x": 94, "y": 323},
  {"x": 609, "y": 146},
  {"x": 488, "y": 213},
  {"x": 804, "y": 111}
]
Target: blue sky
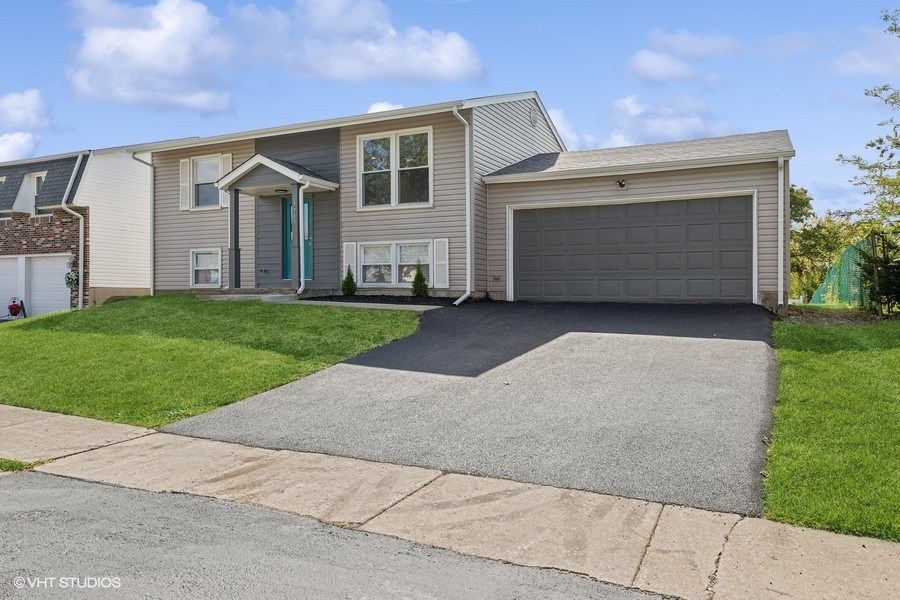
[{"x": 85, "y": 74}]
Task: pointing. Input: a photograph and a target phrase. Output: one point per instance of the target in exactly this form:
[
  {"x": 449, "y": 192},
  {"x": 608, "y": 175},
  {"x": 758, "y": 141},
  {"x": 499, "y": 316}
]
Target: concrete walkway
[{"x": 665, "y": 549}]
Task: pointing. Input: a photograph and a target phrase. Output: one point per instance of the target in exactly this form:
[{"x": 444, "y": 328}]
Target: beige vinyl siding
[
  {"x": 177, "y": 231},
  {"x": 502, "y": 135},
  {"x": 445, "y": 219},
  {"x": 762, "y": 177},
  {"x": 117, "y": 189}
]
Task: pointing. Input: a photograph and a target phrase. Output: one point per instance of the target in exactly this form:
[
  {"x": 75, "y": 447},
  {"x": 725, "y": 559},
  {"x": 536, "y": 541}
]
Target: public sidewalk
[{"x": 666, "y": 549}]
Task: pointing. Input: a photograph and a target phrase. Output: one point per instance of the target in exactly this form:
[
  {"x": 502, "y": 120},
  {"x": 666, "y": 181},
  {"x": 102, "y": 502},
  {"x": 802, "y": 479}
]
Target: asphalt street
[
  {"x": 62, "y": 538},
  {"x": 667, "y": 403}
]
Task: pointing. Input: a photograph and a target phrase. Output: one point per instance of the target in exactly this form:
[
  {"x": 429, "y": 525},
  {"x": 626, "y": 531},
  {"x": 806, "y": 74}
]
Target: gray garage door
[{"x": 681, "y": 250}]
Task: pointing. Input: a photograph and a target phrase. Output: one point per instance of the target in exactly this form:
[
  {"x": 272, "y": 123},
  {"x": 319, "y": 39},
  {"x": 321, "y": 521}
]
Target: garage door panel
[
  {"x": 609, "y": 236},
  {"x": 700, "y": 233},
  {"x": 667, "y": 234},
  {"x": 698, "y": 250},
  {"x": 669, "y": 261},
  {"x": 9, "y": 278},
  {"x": 639, "y": 262},
  {"x": 582, "y": 262},
  {"x": 46, "y": 289}
]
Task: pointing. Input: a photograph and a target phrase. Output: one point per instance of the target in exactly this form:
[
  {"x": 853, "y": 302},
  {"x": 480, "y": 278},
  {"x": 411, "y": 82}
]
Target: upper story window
[
  {"x": 38, "y": 183},
  {"x": 395, "y": 168},
  {"x": 198, "y": 181}
]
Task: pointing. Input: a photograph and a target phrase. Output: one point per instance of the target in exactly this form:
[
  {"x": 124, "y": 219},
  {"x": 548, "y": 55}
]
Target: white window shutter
[
  {"x": 185, "y": 189},
  {"x": 441, "y": 273},
  {"x": 224, "y": 169},
  {"x": 349, "y": 260}
]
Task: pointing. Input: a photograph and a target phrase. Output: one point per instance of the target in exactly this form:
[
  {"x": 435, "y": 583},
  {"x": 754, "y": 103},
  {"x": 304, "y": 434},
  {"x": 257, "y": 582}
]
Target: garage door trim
[{"x": 510, "y": 233}]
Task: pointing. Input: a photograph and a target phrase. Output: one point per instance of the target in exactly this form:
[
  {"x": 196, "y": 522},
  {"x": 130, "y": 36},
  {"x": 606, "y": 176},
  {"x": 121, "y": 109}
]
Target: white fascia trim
[
  {"x": 40, "y": 159},
  {"x": 511, "y": 208},
  {"x": 636, "y": 169},
  {"x": 225, "y": 182},
  {"x": 399, "y": 113}
]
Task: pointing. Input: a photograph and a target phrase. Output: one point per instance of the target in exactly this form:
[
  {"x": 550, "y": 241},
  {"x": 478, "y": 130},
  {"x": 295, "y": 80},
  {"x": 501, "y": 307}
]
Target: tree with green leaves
[
  {"x": 816, "y": 242},
  {"x": 880, "y": 172}
]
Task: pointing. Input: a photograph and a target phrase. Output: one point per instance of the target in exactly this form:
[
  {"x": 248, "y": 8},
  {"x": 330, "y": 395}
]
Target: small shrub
[
  {"x": 419, "y": 285},
  {"x": 348, "y": 284}
]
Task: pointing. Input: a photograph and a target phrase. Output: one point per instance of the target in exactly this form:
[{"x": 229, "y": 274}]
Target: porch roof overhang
[{"x": 290, "y": 172}]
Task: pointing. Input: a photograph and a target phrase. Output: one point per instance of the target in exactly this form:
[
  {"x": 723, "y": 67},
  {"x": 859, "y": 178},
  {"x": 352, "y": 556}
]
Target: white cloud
[
  {"x": 877, "y": 55},
  {"x": 354, "y": 40},
  {"x": 383, "y": 106},
  {"x": 573, "y": 139},
  {"x": 689, "y": 45},
  {"x": 24, "y": 110},
  {"x": 16, "y": 145},
  {"x": 165, "y": 55},
  {"x": 661, "y": 68},
  {"x": 638, "y": 122}
]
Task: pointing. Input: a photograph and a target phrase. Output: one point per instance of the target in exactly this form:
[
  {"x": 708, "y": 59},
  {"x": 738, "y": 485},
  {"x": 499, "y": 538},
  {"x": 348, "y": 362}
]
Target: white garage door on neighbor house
[{"x": 39, "y": 281}]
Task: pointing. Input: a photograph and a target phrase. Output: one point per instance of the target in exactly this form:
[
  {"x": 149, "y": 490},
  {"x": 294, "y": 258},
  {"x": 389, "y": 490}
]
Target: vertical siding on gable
[
  {"x": 117, "y": 189},
  {"x": 268, "y": 244},
  {"x": 315, "y": 150},
  {"x": 502, "y": 135},
  {"x": 762, "y": 177},
  {"x": 446, "y": 219},
  {"x": 177, "y": 231}
]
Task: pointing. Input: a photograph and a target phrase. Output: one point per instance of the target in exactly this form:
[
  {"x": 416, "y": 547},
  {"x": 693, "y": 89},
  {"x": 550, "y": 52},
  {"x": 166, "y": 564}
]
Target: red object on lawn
[{"x": 14, "y": 307}]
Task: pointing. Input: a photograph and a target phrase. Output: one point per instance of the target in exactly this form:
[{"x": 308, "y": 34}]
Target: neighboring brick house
[{"x": 88, "y": 212}]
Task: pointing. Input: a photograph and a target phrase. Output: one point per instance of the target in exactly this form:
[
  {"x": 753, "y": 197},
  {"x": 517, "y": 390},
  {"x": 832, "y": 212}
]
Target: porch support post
[
  {"x": 234, "y": 249},
  {"x": 296, "y": 235}
]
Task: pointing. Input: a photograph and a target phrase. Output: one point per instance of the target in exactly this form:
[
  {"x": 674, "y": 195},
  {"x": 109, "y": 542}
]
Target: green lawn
[
  {"x": 150, "y": 361},
  {"x": 834, "y": 461}
]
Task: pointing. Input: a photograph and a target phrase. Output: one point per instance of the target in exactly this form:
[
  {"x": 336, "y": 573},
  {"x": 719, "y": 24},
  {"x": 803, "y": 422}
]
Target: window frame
[
  {"x": 195, "y": 251},
  {"x": 395, "y": 170},
  {"x": 395, "y": 282},
  {"x": 193, "y": 182}
]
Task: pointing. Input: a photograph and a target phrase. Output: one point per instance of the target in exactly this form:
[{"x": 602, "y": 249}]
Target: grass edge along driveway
[
  {"x": 150, "y": 361},
  {"x": 834, "y": 459}
]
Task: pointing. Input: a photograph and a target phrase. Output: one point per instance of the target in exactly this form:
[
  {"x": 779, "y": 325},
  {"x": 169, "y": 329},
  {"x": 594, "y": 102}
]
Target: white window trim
[
  {"x": 193, "y": 251},
  {"x": 395, "y": 170},
  {"x": 224, "y": 167},
  {"x": 395, "y": 263}
]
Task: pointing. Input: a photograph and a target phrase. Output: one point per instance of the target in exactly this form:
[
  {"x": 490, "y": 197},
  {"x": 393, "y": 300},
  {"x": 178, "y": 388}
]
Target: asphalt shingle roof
[
  {"x": 59, "y": 172},
  {"x": 712, "y": 149},
  {"x": 297, "y": 168}
]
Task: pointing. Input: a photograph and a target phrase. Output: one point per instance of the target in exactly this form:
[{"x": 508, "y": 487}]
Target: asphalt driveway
[{"x": 668, "y": 403}]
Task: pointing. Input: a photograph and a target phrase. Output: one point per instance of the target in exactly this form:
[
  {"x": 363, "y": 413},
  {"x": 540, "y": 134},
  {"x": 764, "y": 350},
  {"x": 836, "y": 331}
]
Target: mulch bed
[{"x": 387, "y": 299}]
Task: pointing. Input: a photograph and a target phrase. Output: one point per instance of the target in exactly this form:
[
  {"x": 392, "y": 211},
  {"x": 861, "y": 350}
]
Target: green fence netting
[{"x": 844, "y": 282}]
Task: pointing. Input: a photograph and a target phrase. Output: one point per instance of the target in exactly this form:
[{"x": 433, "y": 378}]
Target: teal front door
[{"x": 286, "y": 233}]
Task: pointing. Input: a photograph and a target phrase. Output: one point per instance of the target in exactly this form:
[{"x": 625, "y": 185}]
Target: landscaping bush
[
  {"x": 419, "y": 285},
  {"x": 348, "y": 284}
]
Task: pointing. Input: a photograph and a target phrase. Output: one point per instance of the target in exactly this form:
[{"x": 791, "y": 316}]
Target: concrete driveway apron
[{"x": 667, "y": 403}]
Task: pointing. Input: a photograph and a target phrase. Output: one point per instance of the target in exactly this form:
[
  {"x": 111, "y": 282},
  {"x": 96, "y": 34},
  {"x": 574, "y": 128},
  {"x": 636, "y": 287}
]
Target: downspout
[
  {"x": 469, "y": 270},
  {"x": 152, "y": 225},
  {"x": 780, "y": 231},
  {"x": 80, "y": 218},
  {"x": 300, "y": 236}
]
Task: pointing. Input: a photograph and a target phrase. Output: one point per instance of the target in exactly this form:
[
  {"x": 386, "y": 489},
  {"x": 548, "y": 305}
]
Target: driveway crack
[{"x": 647, "y": 546}]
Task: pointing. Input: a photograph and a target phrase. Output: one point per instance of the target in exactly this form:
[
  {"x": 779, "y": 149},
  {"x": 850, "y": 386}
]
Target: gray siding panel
[
  {"x": 502, "y": 135},
  {"x": 176, "y": 232},
  {"x": 445, "y": 219},
  {"x": 316, "y": 150},
  {"x": 723, "y": 181},
  {"x": 326, "y": 243},
  {"x": 268, "y": 244},
  {"x": 262, "y": 176}
]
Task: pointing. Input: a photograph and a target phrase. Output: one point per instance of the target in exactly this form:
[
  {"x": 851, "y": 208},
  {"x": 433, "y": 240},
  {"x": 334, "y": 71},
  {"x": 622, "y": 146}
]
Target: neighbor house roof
[
  {"x": 59, "y": 170},
  {"x": 386, "y": 115},
  {"x": 667, "y": 156}
]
